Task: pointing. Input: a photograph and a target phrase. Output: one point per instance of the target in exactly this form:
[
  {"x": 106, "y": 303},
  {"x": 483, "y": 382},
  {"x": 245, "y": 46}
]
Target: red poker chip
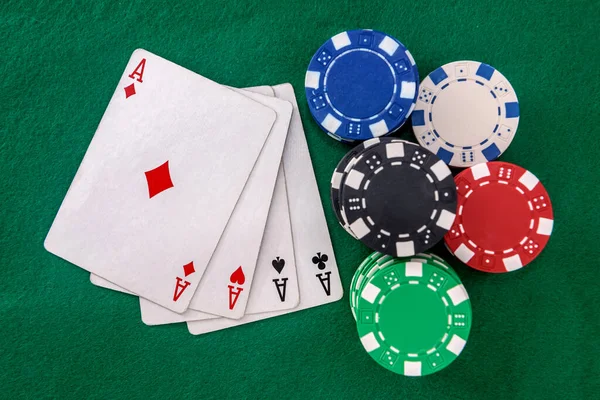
[{"x": 504, "y": 217}]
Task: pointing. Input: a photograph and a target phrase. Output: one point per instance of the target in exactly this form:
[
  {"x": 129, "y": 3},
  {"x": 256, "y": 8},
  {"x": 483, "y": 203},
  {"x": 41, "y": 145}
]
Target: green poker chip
[
  {"x": 413, "y": 317},
  {"x": 378, "y": 260},
  {"x": 367, "y": 262}
]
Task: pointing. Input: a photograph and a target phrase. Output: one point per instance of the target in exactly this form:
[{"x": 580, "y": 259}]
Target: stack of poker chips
[
  {"x": 401, "y": 198},
  {"x": 413, "y": 314}
]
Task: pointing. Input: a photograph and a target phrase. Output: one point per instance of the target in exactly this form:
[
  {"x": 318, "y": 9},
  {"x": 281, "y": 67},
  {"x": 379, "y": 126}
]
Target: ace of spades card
[{"x": 157, "y": 184}]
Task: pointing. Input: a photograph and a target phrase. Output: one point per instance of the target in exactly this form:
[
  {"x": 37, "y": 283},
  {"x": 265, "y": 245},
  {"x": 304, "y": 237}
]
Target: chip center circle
[
  {"x": 413, "y": 318},
  {"x": 359, "y": 84},
  {"x": 465, "y": 113},
  {"x": 496, "y": 217},
  {"x": 404, "y": 198}
]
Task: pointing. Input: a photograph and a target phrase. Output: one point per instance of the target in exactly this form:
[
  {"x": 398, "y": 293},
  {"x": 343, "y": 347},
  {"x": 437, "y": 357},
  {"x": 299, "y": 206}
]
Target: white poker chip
[{"x": 467, "y": 113}]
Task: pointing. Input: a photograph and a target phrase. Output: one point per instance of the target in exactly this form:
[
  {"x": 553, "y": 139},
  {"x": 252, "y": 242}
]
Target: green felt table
[{"x": 535, "y": 331}]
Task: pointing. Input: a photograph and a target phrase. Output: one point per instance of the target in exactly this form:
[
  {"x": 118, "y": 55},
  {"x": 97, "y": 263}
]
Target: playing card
[
  {"x": 318, "y": 276},
  {"x": 225, "y": 287},
  {"x": 159, "y": 180},
  {"x": 275, "y": 285},
  {"x": 101, "y": 282}
]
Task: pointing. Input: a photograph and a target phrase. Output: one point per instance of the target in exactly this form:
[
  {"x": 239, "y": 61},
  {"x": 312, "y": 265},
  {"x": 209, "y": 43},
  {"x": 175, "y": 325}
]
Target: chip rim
[
  {"x": 346, "y": 190},
  {"x": 384, "y": 122},
  {"x": 365, "y": 307},
  {"x": 422, "y": 117},
  {"x": 482, "y": 173}
]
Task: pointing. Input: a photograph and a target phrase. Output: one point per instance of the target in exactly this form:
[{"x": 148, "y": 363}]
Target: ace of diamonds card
[{"x": 159, "y": 180}]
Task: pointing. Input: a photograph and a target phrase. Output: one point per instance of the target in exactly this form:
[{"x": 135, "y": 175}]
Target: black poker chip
[
  {"x": 337, "y": 178},
  {"x": 397, "y": 198}
]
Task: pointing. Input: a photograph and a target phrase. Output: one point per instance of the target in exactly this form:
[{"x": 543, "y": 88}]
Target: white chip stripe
[
  {"x": 446, "y": 219},
  {"x": 513, "y": 263},
  {"x": 545, "y": 226},
  {"x": 405, "y": 249},
  {"x": 441, "y": 170},
  {"x": 359, "y": 228},
  {"x": 389, "y": 45},
  {"x": 371, "y": 142},
  {"x": 336, "y": 179},
  {"x": 394, "y": 150},
  {"x": 379, "y": 128},
  {"x": 311, "y": 79},
  {"x": 412, "y": 368},
  {"x": 480, "y": 171},
  {"x": 354, "y": 179},
  {"x": 413, "y": 269},
  {"x": 370, "y": 292},
  {"x": 463, "y": 253},
  {"x": 458, "y": 294},
  {"x": 408, "y": 90},
  {"x": 529, "y": 180},
  {"x": 341, "y": 40},
  {"x": 331, "y": 123},
  {"x": 456, "y": 344},
  {"x": 369, "y": 342}
]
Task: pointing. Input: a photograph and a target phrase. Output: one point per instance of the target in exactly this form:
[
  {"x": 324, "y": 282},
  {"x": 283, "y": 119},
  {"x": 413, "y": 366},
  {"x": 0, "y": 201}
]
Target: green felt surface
[{"x": 535, "y": 331}]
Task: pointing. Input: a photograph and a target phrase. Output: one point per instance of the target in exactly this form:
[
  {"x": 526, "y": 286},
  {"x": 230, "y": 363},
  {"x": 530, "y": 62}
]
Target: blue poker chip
[{"x": 361, "y": 84}]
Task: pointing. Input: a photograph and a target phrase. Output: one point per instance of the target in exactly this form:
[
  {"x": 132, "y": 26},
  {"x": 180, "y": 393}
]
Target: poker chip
[
  {"x": 361, "y": 84},
  {"x": 339, "y": 174},
  {"x": 504, "y": 217},
  {"x": 467, "y": 113},
  {"x": 376, "y": 261},
  {"x": 398, "y": 198},
  {"x": 413, "y": 318}
]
